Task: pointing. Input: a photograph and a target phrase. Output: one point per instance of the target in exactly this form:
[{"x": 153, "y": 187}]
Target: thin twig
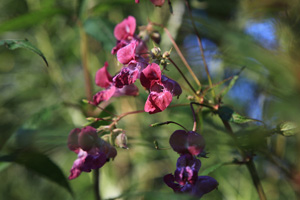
[
  {"x": 201, "y": 47},
  {"x": 168, "y": 122},
  {"x": 181, "y": 73}
]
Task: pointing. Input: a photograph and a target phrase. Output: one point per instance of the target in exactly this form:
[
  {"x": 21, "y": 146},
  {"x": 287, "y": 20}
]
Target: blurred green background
[{"x": 40, "y": 104}]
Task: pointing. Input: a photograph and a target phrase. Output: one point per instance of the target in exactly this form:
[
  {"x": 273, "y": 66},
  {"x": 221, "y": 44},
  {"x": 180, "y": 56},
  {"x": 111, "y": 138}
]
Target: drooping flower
[
  {"x": 92, "y": 151},
  {"x": 104, "y": 79},
  {"x": 184, "y": 142},
  {"x": 161, "y": 88}
]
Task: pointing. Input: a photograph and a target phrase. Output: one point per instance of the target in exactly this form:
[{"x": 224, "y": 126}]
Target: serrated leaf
[
  {"x": 287, "y": 129},
  {"x": 15, "y": 44},
  {"x": 211, "y": 169},
  {"x": 40, "y": 164}
]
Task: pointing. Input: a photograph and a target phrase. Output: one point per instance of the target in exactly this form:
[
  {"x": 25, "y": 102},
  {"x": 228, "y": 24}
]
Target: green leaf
[
  {"x": 227, "y": 114},
  {"x": 231, "y": 83},
  {"x": 29, "y": 19},
  {"x": 40, "y": 164},
  {"x": 211, "y": 169},
  {"x": 287, "y": 129},
  {"x": 15, "y": 44}
]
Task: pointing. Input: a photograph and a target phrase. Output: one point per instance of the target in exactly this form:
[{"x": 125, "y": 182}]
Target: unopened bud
[
  {"x": 155, "y": 36},
  {"x": 156, "y": 52},
  {"x": 121, "y": 141},
  {"x": 166, "y": 54}
]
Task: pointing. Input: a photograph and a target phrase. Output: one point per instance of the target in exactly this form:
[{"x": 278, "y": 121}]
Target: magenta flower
[
  {"x": 125, "y": 30},
  {"x": 127, "y": 53},
  {"x": 187, "y": 142},
  {"x": 104, "y": 79},
  {"x": 92, "y": 151},
  {"x": 161, "y": 88}
]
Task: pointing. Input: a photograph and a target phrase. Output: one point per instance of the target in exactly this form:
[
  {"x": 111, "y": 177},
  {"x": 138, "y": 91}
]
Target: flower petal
[
  {"x": 126, "y": 76},
  {"x": 171, "y": 85},
  {"x": 170, "y": 181},
  {"x": 204, "y": 184},
  {"x": 158, "y": 102},
  {"x": 127, "y": 53},
  {"x": 103, "y": 78},
  {"x": 151, "y": 73},
  {"x": 87, "y": 138},
  {"x": 158, "y": 2},
  {"x": 125, "y": 28},
  {"x": 73, "y": 140},
  {"x": 104, "y": 95}
]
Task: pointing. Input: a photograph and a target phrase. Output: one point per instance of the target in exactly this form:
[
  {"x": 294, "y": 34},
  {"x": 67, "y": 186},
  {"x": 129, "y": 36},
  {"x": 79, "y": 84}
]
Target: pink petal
[
  {"x": 103, "y": 78},
  {"x": 127, "y": 53},
  {"x": 125, "y": 28},
  {"x": 76, "y": 168},
  {"x": 151, "y": 73},
  {"x": 104, "y": 95},
  {"x": 157, "y": 102}
]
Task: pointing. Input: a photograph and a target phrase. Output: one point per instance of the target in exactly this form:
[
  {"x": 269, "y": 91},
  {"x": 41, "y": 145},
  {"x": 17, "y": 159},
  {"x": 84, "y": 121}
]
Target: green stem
[
  {"x": 201, "y": 48},
  {"x": 96, "y": 184},
  {"x": 250, "y": 164},
  {"x": 181, "y": 73}
]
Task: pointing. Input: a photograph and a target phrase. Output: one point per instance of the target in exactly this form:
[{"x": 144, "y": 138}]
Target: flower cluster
[
  {"x": 132, "y": 52},
  {"x": 92, "y": 151},
  {"x": 186, "y": 179},
  {"x": 155, "y": 2}
]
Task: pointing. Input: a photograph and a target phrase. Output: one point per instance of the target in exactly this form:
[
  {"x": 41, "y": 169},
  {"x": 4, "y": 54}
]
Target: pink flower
[
  {"x": 127, "y": 53},
  {"x": 103, "y": 78},
  {"x": 125, "y": 29},
  {"x": 162, "y": 89},
  {"x": 92, "y": 151}
]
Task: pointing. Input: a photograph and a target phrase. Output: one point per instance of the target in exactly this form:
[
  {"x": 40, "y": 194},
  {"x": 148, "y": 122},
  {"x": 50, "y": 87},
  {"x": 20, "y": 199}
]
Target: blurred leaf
[
  {"x": 287, "y": 129},
  {"x": 40, "y": 164},
  {"x": 15, "y": 44},
  {"x": 211, "y": 169},
  {"x": 29, "y": 19},
  {"x": 252, "y": 138},
  {"x": 227, "y": 114},
  {"x": 101, "y": 30},
  {"x": 231, "y": 84}
]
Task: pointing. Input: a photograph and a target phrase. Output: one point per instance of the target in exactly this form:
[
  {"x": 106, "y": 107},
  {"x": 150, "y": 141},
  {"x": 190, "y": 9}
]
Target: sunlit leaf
[
  {"x": 15, "y": 44},
  {"x": 287, "y": 128},
  {"x": 40, "y": 164}
]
